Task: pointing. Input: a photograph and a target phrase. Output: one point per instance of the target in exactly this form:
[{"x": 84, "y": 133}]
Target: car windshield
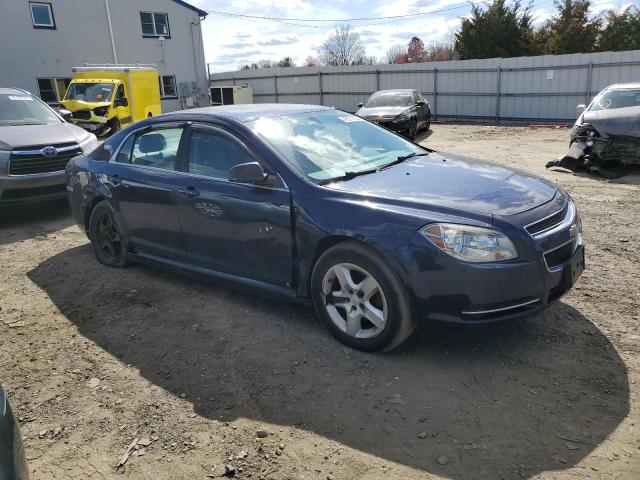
[
  {"x": 331, "y": 144},
  {"x": 90, "y": 92},
  {"x": 24, "y": 109},
  {"x": 390, "y": 99},
  {"x": 610, "y": 99}
]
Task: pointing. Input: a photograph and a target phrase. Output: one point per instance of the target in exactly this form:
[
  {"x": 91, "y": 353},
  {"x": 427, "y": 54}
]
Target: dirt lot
[{"x": 95, "y": 358}]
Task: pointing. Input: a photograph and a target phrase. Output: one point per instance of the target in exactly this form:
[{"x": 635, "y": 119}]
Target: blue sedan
[{"x": 308, "y": 202}]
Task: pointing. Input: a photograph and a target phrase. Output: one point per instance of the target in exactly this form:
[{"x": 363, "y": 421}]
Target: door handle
[
  {"x": 114, "y": 179},
  {"x": 189, "y": 192}
]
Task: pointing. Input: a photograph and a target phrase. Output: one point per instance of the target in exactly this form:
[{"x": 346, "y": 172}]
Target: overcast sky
[{"x": 232, "y": 42}]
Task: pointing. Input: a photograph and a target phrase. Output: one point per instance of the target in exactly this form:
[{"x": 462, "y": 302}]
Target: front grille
[
  {"x": 34, "y": 163},
  {"x": 32, "y": 192},
  {"x": 547, "y": 223},
  {"x": 82, "y": 114},
  {"x": 560, "y": 255}
]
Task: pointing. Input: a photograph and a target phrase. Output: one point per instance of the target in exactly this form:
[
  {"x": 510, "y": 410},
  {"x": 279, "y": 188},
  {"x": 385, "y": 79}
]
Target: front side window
[
  {"x": 168, "y": 86},
  {"x": 214, "y": 154},
  {"x": 610, "y": 99},
  {"x": 154, "y": 24},
  {"x": 156, "y": 148},
  {"x": 329, "y": 144},
  {"x": 24, "y": 109},
  {"x": 42, "y": 15},
  {"x": 90, "y": 92},
  {"x": 390, "y": 99}
]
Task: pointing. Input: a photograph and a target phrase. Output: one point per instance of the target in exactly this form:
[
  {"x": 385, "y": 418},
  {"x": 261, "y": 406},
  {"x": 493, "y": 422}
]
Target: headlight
[
  {"x": 101, "y": 111},
  {"x": 90, "y": 144},
  {"x": 470, "y": 244}
]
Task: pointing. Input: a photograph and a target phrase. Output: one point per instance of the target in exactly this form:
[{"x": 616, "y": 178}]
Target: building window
[
  {"x": 168, "y": 86},
  {"x": 155, "y": 24},
  {"x": 42, "y": 15},
  {"x": 52, "y": 90}
]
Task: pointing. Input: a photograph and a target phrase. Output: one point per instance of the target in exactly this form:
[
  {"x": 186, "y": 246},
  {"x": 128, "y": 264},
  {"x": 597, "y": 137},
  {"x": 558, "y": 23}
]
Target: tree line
[{"x": 501, "y": 29}]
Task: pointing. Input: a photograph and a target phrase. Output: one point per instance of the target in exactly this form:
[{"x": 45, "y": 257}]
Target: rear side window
[
  {"x": 156, "y": 148},
  {"x": 214, "y": 154}
]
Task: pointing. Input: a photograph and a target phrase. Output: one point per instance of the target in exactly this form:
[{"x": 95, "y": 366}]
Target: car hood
[
  {"x": 452, "y": 182},
  {"x": 31, "y": 135},
  {"x": 618, "y": 121},
  {"x": 381, "y": 112}
]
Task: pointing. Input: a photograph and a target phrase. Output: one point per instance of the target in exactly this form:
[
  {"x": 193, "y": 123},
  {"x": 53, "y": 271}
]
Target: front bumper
[
  {"x": 447, "y": 290},
  {"x": 21, "y": 189},
  {"x": 402, "y": 126}
]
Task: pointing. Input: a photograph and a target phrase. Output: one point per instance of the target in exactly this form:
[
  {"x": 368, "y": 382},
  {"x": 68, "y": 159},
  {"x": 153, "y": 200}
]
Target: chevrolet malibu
[{"x": 309, "y": 202}]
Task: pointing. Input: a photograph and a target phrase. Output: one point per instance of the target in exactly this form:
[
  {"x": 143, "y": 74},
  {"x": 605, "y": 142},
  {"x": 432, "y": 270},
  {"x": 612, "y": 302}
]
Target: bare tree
[
  {"x": 311, "y": 61},
  {"x": 266, "y": 63},
  {"x": 397, "y": 54},
  {"x": 343, "y": 47}
]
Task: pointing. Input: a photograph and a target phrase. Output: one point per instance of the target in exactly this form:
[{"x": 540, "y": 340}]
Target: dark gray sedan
[{"x": 402, "y": 111}]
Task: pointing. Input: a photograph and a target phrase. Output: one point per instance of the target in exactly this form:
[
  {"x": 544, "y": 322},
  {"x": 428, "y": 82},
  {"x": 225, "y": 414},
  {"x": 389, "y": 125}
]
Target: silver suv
[{"x": 36, "y": 143}]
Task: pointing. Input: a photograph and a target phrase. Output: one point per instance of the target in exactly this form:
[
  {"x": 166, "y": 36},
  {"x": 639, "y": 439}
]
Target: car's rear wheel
[
  {"x": 360, "y": 298},
  {"x": 106, "y": 236}
]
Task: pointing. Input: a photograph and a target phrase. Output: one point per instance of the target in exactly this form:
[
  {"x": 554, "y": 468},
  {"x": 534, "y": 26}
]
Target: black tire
[
  {"x": 114, "y": 126},
  {"x": 107, "y": 239},
  {"x": 413, "y": 130},
  {"x": 427, "y": 126},
  {"x": 399, "y": 323}
]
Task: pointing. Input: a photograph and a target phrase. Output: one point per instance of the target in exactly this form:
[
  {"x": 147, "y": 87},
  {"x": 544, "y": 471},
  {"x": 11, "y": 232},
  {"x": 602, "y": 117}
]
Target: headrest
[{"x": 152, "y": 142}]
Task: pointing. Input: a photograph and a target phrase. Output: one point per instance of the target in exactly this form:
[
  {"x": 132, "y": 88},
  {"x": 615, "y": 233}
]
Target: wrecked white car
[{"x": 606, "y": 137}]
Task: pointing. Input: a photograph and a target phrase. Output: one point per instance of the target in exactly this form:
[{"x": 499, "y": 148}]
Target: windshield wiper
[
  {"x": 402, "y": 158},
  {"x": 349, "y": 175}
]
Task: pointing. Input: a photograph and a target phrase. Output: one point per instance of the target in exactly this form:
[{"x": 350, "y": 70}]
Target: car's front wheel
[
  {"x": 413, "y": 130},
  {"x": 360, "y": 298},
  {"x": 106, "y": 235}
]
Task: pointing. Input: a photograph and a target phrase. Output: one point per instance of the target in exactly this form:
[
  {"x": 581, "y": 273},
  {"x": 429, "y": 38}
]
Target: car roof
[
  {"x": 623, "y": 86},
  {"x": 13, "y": 91},
  {"x": 395, "y": 90},
  {"x": 252, "y": 111}
]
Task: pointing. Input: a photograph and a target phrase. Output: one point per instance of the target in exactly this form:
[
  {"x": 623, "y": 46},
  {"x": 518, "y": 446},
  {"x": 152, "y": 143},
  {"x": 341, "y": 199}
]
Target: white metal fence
[{"x": 544, "y": 88}]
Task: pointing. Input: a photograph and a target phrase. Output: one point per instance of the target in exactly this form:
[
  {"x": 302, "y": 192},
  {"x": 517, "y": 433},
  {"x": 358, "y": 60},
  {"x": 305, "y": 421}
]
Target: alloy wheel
[
  {"x": 354, "y": 301},
  {"x": 108, "y": 237}
]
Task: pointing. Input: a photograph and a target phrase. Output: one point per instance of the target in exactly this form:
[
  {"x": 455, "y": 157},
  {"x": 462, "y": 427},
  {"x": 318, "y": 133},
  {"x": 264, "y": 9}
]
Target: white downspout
[{"x": 113, "y": 43}]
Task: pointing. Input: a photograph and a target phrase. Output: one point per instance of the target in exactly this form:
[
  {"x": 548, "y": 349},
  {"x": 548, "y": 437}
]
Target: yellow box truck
[{"x": 105, "y": 98}]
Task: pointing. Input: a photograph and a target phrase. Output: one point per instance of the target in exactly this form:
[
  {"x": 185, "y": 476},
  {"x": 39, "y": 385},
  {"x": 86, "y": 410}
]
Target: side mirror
[
  {"x": 251, "y": 172},
  {"x": 421, "y": 102},
  {"x": 121, "y": 102},
  {"x": 66, "y": 114},
  {"x": 581, "y": 108},
  {"x": 360, "y": 105}
]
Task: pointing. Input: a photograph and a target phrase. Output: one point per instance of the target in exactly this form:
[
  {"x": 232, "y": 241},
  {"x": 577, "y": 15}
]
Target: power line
[{"x": 289, "y": 19}]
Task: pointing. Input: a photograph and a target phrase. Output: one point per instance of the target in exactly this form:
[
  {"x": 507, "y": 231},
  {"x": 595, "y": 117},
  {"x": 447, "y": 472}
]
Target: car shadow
[
  {"x": 423, "y": 135},
  {"x": 505, "y": 401},
  {"x": 23, "y": 222}
]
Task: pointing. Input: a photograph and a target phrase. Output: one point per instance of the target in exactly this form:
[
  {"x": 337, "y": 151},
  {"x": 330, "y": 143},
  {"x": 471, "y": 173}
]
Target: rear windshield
[
  {"x": 390, "y": 99},
  {"x": 24, "y": 109},
  {"x": 611, "y": 99},
  {"x": 90, "y": 92}
]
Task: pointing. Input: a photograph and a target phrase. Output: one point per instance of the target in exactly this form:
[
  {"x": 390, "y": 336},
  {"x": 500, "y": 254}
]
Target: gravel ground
[{"x": 193, "y": 377}]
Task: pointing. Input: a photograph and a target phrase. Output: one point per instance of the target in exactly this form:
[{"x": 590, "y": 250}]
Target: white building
[{"x": 41, "y": 41}]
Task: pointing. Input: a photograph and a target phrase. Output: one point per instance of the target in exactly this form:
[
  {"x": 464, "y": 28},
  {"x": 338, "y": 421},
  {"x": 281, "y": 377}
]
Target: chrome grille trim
[{"x": 566, "y": 222}]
